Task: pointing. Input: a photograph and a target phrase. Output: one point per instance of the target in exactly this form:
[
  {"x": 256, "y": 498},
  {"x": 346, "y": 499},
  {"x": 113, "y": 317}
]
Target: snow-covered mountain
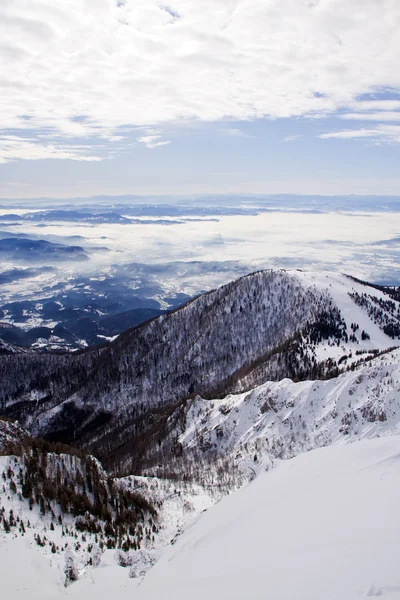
[
  {"x": 322, "y": 525},
  {"x": 61, "y": 516},
  {"x": 190, "y": 407},
  {"x": 61, "y": 505},
  {"x": 282, "y": 419},
  {"x": 265, "y": 326}
]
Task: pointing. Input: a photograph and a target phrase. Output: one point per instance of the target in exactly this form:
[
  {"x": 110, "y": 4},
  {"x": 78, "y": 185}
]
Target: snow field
[{"x": 324, "y": 525}]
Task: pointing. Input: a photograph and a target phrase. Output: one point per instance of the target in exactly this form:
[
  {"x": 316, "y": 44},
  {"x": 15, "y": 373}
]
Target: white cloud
[
  {"x": 372, "y": 116},
  {"x": 376, "y": 105},
  {"x": 145, "y": 63},
  {"x": 380, "y": 134},
  {"x": 152, "y": 141},
  {"x": 16, "y": 148}
]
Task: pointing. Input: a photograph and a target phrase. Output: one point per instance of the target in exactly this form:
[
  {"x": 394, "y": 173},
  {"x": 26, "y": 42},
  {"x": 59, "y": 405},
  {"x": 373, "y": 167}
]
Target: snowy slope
[
  {"x": 282, "y": 419},
  {"x": 324, "y": 525},
  {"x": 339, "y": 287},
  {"x": 209, "y": 446},
  {"x": 58, "y": 509},
  {"x": 266, "y": 326},
  {"x": 255, "y": 429},
  {"x": 43, "y": 572}
]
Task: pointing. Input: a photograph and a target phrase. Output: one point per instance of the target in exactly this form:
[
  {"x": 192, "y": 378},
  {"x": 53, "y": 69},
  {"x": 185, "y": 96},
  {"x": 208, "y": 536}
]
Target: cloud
[
  {"x": 291, "y": 138},
  {"x": 372, "y": 116},
  {"x": 390, "y": 105},
  {"x": 87, "y": 68},
  {"x": 152, "y": 141},
  {"x": 14, "y": 148},
  {"x": 388, "y": 134}
]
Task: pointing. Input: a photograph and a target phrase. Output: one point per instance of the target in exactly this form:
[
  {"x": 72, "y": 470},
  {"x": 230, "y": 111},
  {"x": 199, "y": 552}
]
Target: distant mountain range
[
  {"x": 16, "y": 249},
  {"x": 74, "y": 327}
]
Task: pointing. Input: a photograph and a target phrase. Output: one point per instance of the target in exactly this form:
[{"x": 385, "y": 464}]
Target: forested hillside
[{"x": 118, "y": 400}]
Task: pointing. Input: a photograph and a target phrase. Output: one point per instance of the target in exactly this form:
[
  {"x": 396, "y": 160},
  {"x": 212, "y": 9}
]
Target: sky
[{"x": 188, "y": 97}]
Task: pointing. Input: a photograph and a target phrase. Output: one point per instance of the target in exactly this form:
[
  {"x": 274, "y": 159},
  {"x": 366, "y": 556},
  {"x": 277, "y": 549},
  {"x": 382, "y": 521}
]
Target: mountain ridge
[
  {"x": 183, "y": 454},
  {"x": 263, "y": 326}
]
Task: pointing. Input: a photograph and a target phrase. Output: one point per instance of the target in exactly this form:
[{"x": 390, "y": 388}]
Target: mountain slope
[
  {"x": 322, "y": 525},
  {"x": 11, "y": 433},
  {"x": 217, "y": 445},
  {"x": 61, "y": 517},
  {"x": 282, "y": 419},
  {"x": 278, "y": 420},
  {"x": 265, "y": 326},
  {"x": 62, "y": 506}
]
